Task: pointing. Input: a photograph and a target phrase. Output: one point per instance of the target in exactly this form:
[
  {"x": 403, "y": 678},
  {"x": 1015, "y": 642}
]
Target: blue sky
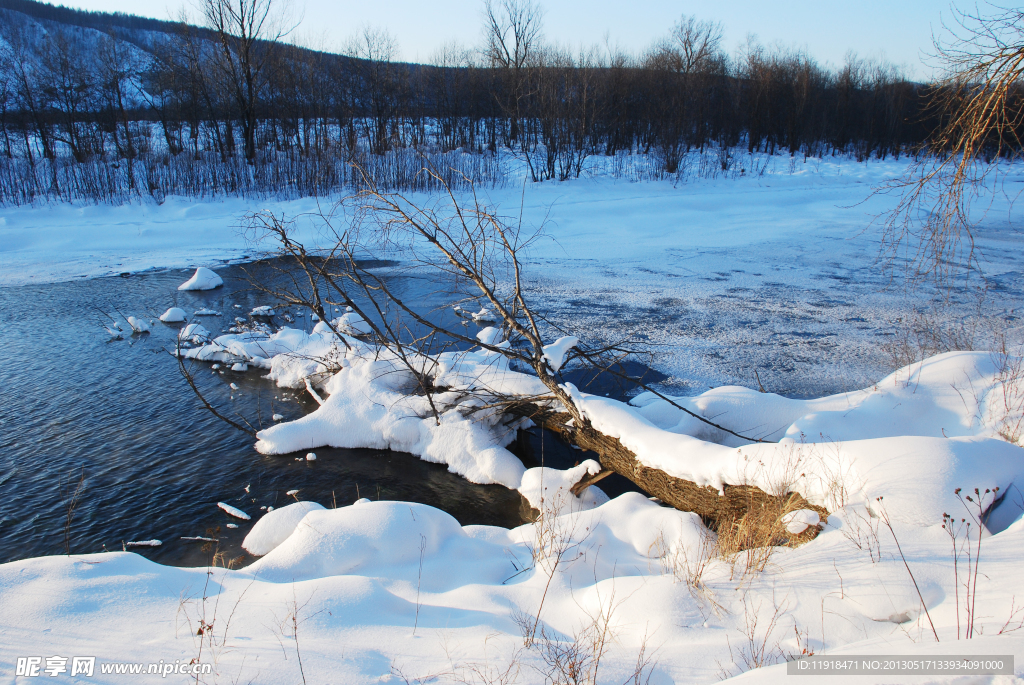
[{"x": 899, "y": 30}]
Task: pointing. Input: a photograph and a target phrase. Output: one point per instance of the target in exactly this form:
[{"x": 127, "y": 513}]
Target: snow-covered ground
[
  {"x": 782, "y": 266},
  {"x": 397, "y": 592}
]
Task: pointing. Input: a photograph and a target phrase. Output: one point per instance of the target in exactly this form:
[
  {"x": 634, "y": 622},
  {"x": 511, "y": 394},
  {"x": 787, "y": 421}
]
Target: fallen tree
[{"x": 517, "y": 374}]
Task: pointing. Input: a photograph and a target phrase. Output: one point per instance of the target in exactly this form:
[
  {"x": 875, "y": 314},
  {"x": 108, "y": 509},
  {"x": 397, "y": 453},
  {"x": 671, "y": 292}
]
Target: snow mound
[
  {"x": 173, "y": 315},
  {"x": 547, "y": 489},
  {"x": 194, "y": 332},
  {"x": 264, "y": 310},
  {"x": 206, "y": 312},
  {"x": 138, "y": 325},
  {"x": 274, "y": 527},
  {"x": 352, "y": 323},
  {"x": 202, "y": 279}
]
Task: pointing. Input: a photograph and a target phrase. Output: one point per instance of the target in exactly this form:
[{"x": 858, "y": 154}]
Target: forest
[{"x": 106, "y": 107}]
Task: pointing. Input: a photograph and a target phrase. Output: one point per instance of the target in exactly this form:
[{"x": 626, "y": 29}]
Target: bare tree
[
  {"x": 472, "y": 254},
  {"x": 511, "y": 42},
  {"x": 979, "y": 108},
  {"x": 247, "y": 33}
]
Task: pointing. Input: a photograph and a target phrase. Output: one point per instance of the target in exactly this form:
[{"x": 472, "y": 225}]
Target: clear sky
[{"x": 899, "y": 30}]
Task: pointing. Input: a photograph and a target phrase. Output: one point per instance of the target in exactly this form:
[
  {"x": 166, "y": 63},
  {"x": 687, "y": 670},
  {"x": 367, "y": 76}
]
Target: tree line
[{"x": 234, "y": 94}]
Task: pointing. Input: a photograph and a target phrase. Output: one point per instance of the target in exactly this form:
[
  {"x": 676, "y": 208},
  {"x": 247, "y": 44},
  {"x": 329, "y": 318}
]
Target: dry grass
[
  {"x": 1009, "y": 363},
  {"x": 748, "y": 543}
]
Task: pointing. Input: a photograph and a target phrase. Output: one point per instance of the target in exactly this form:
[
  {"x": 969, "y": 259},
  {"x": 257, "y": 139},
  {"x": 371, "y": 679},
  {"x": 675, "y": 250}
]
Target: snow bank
[
  {"x": 202, "y": 279},
  {"x": 912, "y": 439},
  {"x": 369, "y": 406},
  {"x": 365, "y": 575}
]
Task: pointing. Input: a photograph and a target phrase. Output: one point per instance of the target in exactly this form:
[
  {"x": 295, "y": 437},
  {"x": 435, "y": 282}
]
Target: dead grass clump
[{"x": 749, "y": 542}]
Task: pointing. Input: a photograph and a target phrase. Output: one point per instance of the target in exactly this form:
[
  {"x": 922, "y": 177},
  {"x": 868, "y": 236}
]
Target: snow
[
  {"x": 206, "y": 312},
  {"x": 364, "y": 575},
  {"x": 233, "y": 511},
  {"x": 138, "y": 325},
  {"x": 144, "y": 543},
  {"x": 910, "y": 439},
  {"x": 202, "y": 279},
  {"x": 240, "y": 366},
  {"x": 173, "y": 315},
  {"x": 351, "y": 323},
  {"x": 367, "y": 408},
  {"x": 277, "y": 417},
  {"x": 798, "y": 521},
  {"x": 194, "y": 332},
  {"x": 310, "y": 457},
  {"x": 274, "y": 527},
  {"x": 264, "y": 310},
  {"x": 556, "y": 351}
]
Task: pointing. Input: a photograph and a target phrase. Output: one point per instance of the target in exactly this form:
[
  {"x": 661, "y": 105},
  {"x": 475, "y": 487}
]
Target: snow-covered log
[{"x": 716, "y": 508}]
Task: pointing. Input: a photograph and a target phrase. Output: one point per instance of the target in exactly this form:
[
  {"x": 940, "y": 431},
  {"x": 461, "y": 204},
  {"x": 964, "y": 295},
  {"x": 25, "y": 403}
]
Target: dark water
[{"x": 156, "y": 463}]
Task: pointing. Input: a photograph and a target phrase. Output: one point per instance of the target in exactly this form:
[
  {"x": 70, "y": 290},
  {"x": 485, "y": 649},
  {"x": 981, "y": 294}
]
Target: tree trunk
[{"x": 717, "y": 510}]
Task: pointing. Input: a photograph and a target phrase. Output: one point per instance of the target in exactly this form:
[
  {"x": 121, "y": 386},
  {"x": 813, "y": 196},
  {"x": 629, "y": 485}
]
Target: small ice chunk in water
[
  {"x": 173, "y": 315},
  {"x": 292, "y": 492},
  {"x": 310, "y": 457},
  {"x": 144, "y": 543},
  {"x": 239, "y": 366},
  {"x": 232, "y": 525},
  {"x": 277, "y": 417},
  {"x": 202, "y": 279},
  {"x": 270, "y": 509},
  {"x": 265, "y": 310},
  {"x": 233, "y": 386},
  {"x": 206, "y": 312},
  {"x": 237, "y": 513},
  {"x": 215, "y": 367}
]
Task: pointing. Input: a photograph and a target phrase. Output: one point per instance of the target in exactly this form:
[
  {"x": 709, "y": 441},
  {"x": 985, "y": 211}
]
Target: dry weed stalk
[
  {"x": 70, "y": 499},
  {"x": 689, "y": 567},
  {"x": 757, "y": 650},
  {"x": 888, "y": 524},
  {"x": 577, "y": 661},
  {"x": 201, "y": 619},
  {"x": 555, "y": 543},
  {"x": 755, "y": 536},
  {"x": 862, "y": 531},
  {"x": 1010, "y": 379},
  {"x": 966, "y": 546}
]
